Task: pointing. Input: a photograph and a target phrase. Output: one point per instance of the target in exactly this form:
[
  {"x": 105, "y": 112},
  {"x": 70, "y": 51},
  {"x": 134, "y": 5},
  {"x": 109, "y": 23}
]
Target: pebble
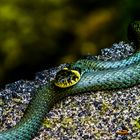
[{"x": 91, "y": 116}]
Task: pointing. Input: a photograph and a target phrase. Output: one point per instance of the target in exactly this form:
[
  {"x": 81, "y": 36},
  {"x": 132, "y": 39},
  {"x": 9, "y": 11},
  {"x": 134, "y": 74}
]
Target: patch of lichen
[
  {"x": 104, "y": 108},
  {"x": 49, "y": 123},
  {"x": 66, "y": 124},
  {"x": 137, "y": 123}
]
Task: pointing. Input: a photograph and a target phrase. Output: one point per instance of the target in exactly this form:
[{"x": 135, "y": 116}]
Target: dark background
[{"x": 38, "y": 34}]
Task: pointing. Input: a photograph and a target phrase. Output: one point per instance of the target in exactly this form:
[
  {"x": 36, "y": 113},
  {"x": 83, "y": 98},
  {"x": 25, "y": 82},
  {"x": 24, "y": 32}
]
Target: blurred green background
[{"x": 39, "y": 34}]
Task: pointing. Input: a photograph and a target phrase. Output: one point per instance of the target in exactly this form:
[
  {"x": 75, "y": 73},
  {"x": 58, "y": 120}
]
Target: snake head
[
  {"x": 67, "y": 78},
  {"x": 136, "y": 25},
  {"x": 134, "y": 32}
]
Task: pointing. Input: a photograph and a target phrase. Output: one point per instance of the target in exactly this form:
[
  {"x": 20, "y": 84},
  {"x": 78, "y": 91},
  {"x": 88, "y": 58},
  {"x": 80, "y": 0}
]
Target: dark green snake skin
[
  {"x": 98, "y": 65},
  {"x": 123, "y": 74}
]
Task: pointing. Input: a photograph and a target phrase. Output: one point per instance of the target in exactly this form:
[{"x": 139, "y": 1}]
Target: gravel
[{"x": 90, "y": 116}]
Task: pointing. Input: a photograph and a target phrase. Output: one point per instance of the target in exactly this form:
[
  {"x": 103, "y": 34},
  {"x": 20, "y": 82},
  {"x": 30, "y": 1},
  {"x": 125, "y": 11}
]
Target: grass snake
[{"x": 90, "y": 75}]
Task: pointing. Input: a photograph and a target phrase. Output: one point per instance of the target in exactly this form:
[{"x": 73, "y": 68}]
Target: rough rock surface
[{"x": 90, "y": 116}]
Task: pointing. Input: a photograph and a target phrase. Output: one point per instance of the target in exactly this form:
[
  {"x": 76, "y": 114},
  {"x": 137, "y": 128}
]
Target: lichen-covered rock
[{"x": 96, "y": 115}]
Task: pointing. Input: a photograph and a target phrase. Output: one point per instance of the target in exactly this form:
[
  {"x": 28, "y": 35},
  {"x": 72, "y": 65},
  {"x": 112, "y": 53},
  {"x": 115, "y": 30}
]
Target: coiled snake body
[{"x": 90, "y": 75}]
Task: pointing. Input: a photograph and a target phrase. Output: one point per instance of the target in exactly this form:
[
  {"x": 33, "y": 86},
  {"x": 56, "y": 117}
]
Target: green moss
[
  {"x": 1, "y": 102},
  {"x": 66, "y": 122},
  {"x": 137, "y": 123},
  {"x": 47, "y": 123},
  {"x": 104, "y": 109}
]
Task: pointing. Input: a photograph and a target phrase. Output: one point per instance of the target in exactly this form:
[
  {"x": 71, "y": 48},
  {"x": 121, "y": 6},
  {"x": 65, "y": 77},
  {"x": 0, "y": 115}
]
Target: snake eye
[{"x": 66, "y": 78}]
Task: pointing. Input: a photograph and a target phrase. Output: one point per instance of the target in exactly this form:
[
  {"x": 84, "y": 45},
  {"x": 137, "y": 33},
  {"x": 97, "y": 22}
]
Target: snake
[{"x": 79, "y": 77}]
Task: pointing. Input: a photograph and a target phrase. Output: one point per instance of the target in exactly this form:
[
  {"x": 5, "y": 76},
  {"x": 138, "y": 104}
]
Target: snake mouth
[{"x": 67, "y": 78}]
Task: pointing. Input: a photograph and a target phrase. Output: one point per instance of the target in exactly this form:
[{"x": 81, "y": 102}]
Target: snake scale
[{"x": 94, "y": 75}]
